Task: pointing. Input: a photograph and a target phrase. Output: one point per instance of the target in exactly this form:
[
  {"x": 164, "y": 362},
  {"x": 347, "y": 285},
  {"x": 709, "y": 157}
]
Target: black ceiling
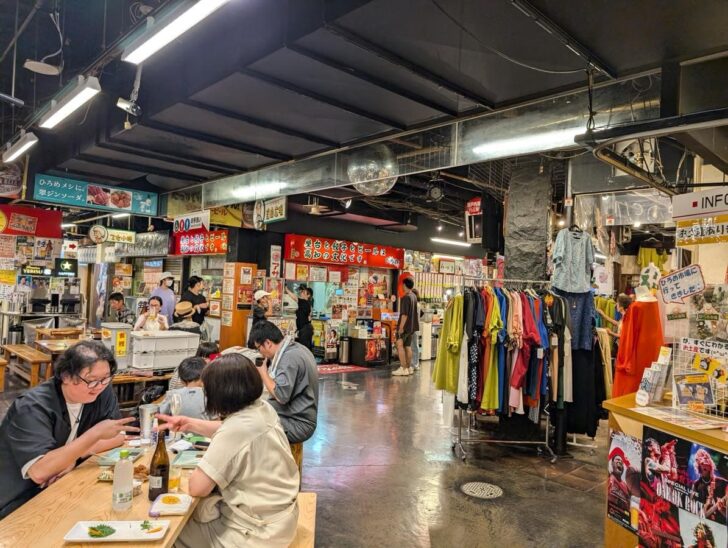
[{"x": 267, "y": 81}]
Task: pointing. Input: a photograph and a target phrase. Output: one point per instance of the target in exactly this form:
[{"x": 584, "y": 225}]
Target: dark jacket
[
  {"x": 197, "y": 317},
  {"x": 37, "y": 423}
]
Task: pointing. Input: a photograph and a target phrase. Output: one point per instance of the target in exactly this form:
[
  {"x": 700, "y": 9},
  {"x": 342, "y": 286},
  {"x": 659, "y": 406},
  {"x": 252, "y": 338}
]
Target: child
[
  {"x": 192, "y": 396},
  {"x": 207, "y": 351}
]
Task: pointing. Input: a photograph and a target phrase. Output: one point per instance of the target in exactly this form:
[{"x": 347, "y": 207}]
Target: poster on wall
[
  {"x": 290, "y": 271},
  {"x": 335, "y": 276},
  {"x": 246, "y": 275},
  {"x": 302, "y": 272},
  {"x": 317, "y": 274},
  {"x": 683, "y": 492},
  {"x": 623, "y": 485},
  {"x": 228, "y": 286},
  {"x": 245, "y": 298},
  {"x": 227, "y": 302},
  {"x": 276, "y": 254},
  {"x": 226, "y": 318},
  {"x": 7, "y": 247},
  {"x": 25, "y": 248},
  {"x": 215, "y": 309},
  {"x": 228, "y": 270},
  {"x": 11, "y": 180}
]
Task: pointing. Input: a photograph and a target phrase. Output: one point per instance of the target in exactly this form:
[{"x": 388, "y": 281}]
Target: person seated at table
[
  {"x": 191, "y": 396},
  {"x": 248, "y": 464},
  {"x": 152, "y": 319},
  {"x": 119, "y": 312},
  {"x": 207, "y": 351},
  {"x": 183, "y": 314},
  {"x": 50, "y": 427}
]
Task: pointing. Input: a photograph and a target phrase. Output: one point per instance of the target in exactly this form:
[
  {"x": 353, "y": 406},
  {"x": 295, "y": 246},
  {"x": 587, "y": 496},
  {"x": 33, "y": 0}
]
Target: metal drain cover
[{"x": 481, "y": 490}]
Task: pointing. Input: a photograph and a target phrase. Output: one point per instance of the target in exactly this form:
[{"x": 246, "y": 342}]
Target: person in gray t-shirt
[
  {"x": 191, "y": 398},
  {"x": 290, "y": 375},
  {"x": 407, "y": 326}
]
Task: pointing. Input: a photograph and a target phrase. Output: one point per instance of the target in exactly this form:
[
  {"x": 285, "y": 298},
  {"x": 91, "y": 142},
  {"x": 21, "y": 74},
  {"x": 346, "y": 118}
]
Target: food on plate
[
  {"x": 97, "y": 195},
  {"x": 148, "y": 528},
  {"x": 141, "y": 472},
  {"x": 106, "y": 474},
  {"x": 170, "y": 499},
  {"x": 121, "y": 199},
  {"x": 101, "y": 531}
]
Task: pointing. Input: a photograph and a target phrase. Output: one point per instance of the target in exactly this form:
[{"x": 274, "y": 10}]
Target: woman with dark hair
[
  {"x": 152, "y": 319},
  {"x": 248, "y": 463},
  {"x": 304, "y": 327},
  {"x": 50, "y": 427},
  {"x": 193, "y": 294},
  {"x": 165, "y": 292}
]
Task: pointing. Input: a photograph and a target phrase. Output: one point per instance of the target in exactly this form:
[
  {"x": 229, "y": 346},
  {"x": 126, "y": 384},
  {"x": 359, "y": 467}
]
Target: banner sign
[
  {"x": 709, "y": 230},
  {"x": 706, "y": 203},
  {"x": 59, "y": 190},
  {"x": 21, "y": 221},
  {"x": 678, "y": 285},
  {"x": 66, "y": 268},
  {"x": 99, "y": 234},
  {"x": 714, "y": 349},
  {"x": 473, "y": 206},
  {"x": 202, "y": 242},
  {"x": 192, "y": 221},
  {"x": 275, "y": 261},
  {"x": 147, "y": 244},
  {"x": 35, "y": 270},
  {"x": 275, "y": 209},
  {"x": 310, "y": 249},
  {"x": 231, "y": 215}
]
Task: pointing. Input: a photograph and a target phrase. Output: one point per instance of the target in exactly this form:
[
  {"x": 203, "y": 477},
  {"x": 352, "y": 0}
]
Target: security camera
[{"x": 129, "y": 106}]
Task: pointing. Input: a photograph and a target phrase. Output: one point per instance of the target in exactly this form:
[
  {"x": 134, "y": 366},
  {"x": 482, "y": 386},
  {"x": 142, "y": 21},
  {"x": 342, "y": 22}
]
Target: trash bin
[
  {"x": 344, "y": 350},
  {"x": 15, "y": 334}
]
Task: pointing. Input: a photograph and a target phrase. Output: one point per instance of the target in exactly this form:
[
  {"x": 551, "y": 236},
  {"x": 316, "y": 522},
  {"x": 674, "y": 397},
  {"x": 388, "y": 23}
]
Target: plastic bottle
[{"x": 123, "y": 482}]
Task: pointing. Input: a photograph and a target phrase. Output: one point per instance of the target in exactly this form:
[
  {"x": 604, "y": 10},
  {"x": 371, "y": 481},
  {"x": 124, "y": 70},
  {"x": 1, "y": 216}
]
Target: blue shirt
[{"x": 573, "y": 258}]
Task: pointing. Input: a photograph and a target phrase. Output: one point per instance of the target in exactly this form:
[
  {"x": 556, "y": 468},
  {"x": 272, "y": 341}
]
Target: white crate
[{"x": 162, "y": 349}]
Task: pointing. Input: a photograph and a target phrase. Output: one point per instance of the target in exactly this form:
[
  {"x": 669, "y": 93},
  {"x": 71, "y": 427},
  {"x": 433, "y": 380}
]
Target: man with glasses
[{"x": 50, "y": 427}]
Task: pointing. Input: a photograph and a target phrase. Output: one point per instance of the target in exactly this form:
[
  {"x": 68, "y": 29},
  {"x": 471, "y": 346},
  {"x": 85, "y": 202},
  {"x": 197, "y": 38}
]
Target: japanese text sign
[
  {"x": 709, "y": 230},
  {"x": 682, "y": 283},
  {"x": 310, "y": 249},
  {"x": 715, "y": 349},
  {"x": 192, "y": 221},
  {"x": 59, "y": 190},
  {"x": 99, "y": 234},
  {"x": 23, "y": 221},
  {"x": 201, "y": 242}
]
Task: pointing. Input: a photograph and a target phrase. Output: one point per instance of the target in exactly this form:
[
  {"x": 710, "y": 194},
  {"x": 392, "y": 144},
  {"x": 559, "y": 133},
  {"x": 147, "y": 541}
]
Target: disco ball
[{"x": 373, "y": 170}]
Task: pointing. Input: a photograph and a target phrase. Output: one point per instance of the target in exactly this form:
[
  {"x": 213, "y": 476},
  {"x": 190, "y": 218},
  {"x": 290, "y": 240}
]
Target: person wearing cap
[
  {"x": 184, "y": 312},
  {"x": 618, "y": 495},
  {"x": 164, "y": 292}
]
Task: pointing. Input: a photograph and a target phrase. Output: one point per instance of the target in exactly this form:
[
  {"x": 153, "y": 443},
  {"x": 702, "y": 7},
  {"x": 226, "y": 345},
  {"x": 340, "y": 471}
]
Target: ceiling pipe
[{"x": 38, "y": 4}]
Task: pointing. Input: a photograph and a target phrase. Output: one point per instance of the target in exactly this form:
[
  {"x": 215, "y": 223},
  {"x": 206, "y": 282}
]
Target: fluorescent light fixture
[
  {"x": 450, "y": 257},
  {"x": 67, "y": 225},
  {"x": 119, "y": 215},
  {"x": 347, "y": 203},
  {"x": 527, "y": 144},
  {"x": 84, "y": 91},
  {"x": 449, "y": 242},
  {"x": 16, "y": 150},
  {"x": 155, "y": 39},
  {"x": 259, "y": 191}
]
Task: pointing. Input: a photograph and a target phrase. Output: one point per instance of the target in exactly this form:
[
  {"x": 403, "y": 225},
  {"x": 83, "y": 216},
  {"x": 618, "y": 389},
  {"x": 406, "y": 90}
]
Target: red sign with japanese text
[
  {"x": 472, "y": 207},
  {"x": 201, "y": 242},
  {"x": 24, "y": 221},
  {"x": 311, "y": 249}
]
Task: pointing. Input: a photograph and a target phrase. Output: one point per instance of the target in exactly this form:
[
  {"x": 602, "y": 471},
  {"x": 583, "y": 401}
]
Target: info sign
[{"x": 682, "y": 283}]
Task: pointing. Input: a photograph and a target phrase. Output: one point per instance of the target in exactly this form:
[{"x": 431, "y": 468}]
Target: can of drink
[{"x": 146, "y": 421}]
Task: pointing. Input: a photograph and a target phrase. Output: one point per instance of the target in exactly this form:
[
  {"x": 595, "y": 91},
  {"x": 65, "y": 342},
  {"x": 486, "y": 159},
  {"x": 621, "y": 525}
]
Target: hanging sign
[
  {"x": 275, "y": 261},
  {"x": 11, "y": 180},
  {"x": 202, "y": 242},
  {"x": 87, "y": 255},
  {"x": 310, "y": 249},
  {"x": 192, "y": 221},
  {"x": 146, "y": 244},
  {"x": 473, "y": 206},
  {"x": 34, "y": 270},
  {"x": 708, "y": 230},
  {"x": 21, "y": 221},
  {"x": 231, "y": 215},
  {"x": 678, "y": 285},
  {"x": 275, "y": 209},
  {"x": 706, "y": 203},
  {"x": 100, "y": 234},
  {"x": 59, "y": 190},
  {"x": 66, "y": 268}
]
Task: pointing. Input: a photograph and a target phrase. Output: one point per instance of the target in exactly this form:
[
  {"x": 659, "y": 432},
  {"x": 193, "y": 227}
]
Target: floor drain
[{"x": 481, "y": 490}]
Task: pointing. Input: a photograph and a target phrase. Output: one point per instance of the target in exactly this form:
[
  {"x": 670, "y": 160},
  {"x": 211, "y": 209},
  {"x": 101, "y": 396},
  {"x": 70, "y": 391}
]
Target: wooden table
[
  {"x": 78, "y": 496},
  {"x": 34, "y": 358},
  {"x": 57, "y": 333},
  {"x": 124, "y": 386},
  {"x": 55, "y": 347}
]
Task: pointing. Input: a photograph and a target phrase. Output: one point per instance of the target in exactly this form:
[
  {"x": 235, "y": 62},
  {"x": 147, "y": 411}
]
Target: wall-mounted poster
[
  {"x": 276, "y": 253},
  {"x": 7, "y": 247},
  {"x": 317, "y": 274},
  {"x": 335, "y": 276},
  {"x": 302, "y": 272},
  {"x": 246, "y": 275},
  {"x": 215, "y": 309},
  {"x": 623, "y": 485},
  {"x": 227, "y": 302},
  {"x": 228, "y": 286},
  {"x": 226, "y": 318},
  {"x": 245, "y": 298},
  {"x": 290, "y": 271},
  {"x": 683, "y": 492},
  {"x": 228, "y": 270}
]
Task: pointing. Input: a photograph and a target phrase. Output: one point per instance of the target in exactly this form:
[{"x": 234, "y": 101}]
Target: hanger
[{"x": 575, "y": 228}]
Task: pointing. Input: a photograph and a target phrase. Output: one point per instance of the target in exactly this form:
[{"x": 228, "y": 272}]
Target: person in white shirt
[{"x": 152, "y": 319}]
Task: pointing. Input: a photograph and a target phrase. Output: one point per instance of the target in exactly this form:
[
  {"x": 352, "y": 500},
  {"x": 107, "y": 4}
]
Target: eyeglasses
[{"x": 96, "y": 384}]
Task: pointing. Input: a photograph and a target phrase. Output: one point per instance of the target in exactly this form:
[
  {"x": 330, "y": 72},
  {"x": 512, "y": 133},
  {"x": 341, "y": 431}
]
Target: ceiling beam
[
  {"x": 214, "y": 139},
  {"x": 151, "y": 155},
  {"x": 287, "y": 86},
  {"x": 414, "y": 68},
  {"x": 372, "y": 79},
  {"x": 123, "y": 164},
  {"x": 261, "y": 123},
  {"x": 94, "y": 177},
  {"x": 574, "y": 45}
]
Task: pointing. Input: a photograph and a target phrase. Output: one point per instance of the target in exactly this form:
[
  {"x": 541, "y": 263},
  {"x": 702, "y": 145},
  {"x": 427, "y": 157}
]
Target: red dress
[{"x": 639, "y": 346}]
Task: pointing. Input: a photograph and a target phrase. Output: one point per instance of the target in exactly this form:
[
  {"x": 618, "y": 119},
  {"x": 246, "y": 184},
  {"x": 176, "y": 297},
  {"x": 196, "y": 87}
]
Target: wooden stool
[
  {"x": 297, "y": 452},
  {"x": 30, "y": 356},
  {"x": 3, "y": 365},
  {"x": 306, "y": 529}
]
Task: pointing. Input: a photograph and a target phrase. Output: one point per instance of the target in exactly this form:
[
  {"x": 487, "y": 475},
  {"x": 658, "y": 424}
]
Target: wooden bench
[
  {"x": 33, "y": 358},
  {"x": 306, "y": 530},
  {"x": 43, "y": 333}
]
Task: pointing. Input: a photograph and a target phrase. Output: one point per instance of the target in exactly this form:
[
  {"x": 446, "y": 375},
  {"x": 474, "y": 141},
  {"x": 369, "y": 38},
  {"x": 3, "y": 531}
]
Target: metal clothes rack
[{"x": 458, "y": 446}]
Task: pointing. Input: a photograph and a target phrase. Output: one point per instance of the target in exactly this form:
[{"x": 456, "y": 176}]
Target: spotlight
[
  {"x": 347, "y": 203},
  {"x": 461, "y": 233},
  {"x": 439, "y": 227},
  {"x": 637, "y": 224},
  {"x": 129, "y": 106},
  {"x": 561, "y": 222}
]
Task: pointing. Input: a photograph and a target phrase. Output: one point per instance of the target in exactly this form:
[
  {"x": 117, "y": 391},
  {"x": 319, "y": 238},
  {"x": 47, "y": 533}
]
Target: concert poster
[
  {"x": 623, "y": 483},
  {"x": 683, "y": 493}
]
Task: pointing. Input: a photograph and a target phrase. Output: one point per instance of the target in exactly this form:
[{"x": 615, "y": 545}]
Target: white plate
[
  {"x": 126, "y": 531},
  {"x": 160, "y": 509}
]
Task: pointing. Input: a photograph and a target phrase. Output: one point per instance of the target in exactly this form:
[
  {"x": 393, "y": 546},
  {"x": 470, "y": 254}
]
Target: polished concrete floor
[{"x": 382, "y": 465}]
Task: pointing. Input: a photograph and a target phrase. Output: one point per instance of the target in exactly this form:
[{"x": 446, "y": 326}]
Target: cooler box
[
  {"x": 162, "y": 349},
  {"x": 116, "y": 337}
]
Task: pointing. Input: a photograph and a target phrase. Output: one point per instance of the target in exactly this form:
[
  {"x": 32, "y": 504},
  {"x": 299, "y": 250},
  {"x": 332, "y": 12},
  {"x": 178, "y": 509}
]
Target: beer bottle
[{"x": 159, "y": 469}]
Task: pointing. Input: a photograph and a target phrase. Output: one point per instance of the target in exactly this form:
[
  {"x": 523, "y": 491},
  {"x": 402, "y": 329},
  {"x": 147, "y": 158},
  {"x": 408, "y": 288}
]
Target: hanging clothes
[
  {"x": 573, "y": 257},
  {"x": 445, "y": 371},
  {"x": 647, "y": 255},
  {"x": 581, "y": 310},
  {"x": 490, "y": 390},
  {"x": 639, "y": 346}
]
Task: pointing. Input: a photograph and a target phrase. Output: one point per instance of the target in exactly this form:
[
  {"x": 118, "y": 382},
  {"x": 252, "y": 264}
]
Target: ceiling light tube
[
  {"x": 119, "y": 215},
  {"x": 16, "y": 150},
  {"x": 67, "y": 225},
  {"x": 449, "y": 242},
  {"x": 86, "y": 89},
  {"x": 155, "y": 39}
]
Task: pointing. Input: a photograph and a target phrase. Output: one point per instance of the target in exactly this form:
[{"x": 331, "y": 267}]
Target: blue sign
[{"x": 58, "y": 190}]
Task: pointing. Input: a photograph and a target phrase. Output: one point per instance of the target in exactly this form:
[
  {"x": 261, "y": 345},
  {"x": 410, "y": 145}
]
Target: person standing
[
  {"x": 193, "y": 294},
  {"x": 260, "y": 310},
  {"x": 303, "y": 315},
  {"x": 416, "y": 336},
  {"x": 119, "y": 311},
  {"x": 164, "y": 291},
  {"x": 408, "y": 324}
]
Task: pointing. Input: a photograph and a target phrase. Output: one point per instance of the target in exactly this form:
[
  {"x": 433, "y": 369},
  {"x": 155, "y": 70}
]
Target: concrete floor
[{"x": 382, "y": 466}]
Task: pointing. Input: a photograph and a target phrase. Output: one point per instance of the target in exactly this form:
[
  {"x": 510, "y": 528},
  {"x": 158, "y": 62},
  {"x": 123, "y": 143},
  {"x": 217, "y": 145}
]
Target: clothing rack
[{"x": 459, "y": 444}]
